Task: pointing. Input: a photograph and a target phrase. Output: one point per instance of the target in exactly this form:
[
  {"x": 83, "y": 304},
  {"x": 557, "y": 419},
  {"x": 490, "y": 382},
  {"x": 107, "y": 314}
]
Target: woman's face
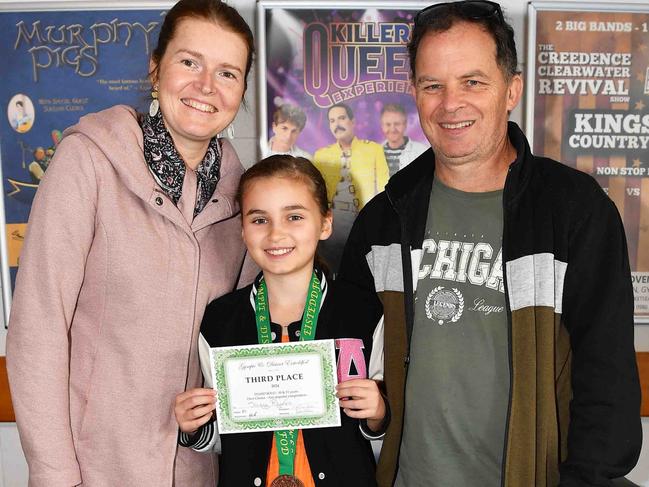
[{"x": 200, "y": 82}]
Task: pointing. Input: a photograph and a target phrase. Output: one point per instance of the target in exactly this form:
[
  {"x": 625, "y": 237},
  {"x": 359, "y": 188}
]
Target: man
[
  {"x": 288, "y": 123},
  {"x": 354, "y": 170},
  {"x": 399, "y": 149},
  {"x": 504, "y": 282}
]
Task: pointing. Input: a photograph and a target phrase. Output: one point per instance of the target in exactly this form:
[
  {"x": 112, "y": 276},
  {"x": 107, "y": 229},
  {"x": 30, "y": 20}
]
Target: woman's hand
[
  {"x": 193, "y": 408},
  {"x": 361, "y": 399}
]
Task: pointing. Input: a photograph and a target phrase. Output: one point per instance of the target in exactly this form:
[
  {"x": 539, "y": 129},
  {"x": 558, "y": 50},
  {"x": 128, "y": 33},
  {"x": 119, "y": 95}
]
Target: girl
[{"x": 284, "y": 207}]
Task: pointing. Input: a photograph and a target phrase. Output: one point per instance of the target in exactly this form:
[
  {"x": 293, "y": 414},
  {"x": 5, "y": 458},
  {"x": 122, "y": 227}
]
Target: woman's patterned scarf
[{"x": 168, "y": 168}]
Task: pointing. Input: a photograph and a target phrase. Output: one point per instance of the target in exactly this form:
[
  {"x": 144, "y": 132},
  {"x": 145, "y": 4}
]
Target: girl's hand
[
  {"x": 361, "y": 399},
  {"x": 193, "y": 408}
]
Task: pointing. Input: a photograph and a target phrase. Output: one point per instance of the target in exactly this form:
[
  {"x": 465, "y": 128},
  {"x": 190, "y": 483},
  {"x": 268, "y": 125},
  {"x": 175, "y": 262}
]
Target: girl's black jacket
[{"x": 338, "y": 457}]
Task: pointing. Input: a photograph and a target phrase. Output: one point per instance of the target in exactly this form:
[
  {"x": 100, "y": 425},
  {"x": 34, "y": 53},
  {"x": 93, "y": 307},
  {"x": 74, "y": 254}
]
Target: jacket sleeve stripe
[
  {"x": 536, "y": 280},
  {"x": 385, "y": 265},
  {"x": 384, "y": 262},
  {"x": 206, "y": 439}
]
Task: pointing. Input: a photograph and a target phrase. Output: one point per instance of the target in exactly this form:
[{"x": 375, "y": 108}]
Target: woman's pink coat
[{"x": 108, "y": 302}]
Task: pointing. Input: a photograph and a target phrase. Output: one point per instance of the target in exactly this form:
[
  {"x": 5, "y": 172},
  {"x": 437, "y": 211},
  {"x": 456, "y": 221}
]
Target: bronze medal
[
  {"x": 286, "y": 440},
  {"x": 286, "y": 481}
]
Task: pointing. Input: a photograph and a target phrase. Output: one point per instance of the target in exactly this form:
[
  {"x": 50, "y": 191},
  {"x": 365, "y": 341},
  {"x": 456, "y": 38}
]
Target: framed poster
[
  {"x": 334, "y": 87},
  {"x": 588, "y": 107},
  {"x": 64, "y": 59}
]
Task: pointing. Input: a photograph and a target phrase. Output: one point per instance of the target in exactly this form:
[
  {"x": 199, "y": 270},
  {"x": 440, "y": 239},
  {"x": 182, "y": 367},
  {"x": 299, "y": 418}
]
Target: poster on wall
[
  {"x": 60, "y": 65},
  {"x": 588, "y": 107},
  {"x": 334, "y": 84}
]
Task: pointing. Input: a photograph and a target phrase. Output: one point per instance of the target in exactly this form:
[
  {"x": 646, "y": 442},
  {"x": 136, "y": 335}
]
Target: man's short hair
[
  {"x": 394, "y": 107},
  {"x": 290, "y": 113},
  {"x": 350, "y": 113},
  {"x": 449, "y": 14}
]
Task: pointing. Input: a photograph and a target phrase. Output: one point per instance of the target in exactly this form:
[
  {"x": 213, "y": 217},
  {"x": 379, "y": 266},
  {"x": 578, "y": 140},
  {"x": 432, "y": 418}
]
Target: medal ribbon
[{"x": 285, "y": 440}]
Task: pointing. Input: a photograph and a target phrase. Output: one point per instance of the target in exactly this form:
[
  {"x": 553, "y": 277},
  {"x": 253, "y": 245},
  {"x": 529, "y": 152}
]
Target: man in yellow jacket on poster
[{"x": 354, "y": 170}]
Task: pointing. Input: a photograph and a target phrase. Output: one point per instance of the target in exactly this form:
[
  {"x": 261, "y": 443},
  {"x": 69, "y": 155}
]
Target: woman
[{"x": 133, "y": 231}]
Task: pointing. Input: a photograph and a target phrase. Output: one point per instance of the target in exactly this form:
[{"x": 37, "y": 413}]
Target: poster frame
[
  {"x": 53, "y": 6},
  {"x": 530, "y": 74}
]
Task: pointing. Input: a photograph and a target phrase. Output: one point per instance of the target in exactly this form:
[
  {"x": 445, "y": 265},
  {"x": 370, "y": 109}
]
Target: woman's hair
[
  {"x": 290, "y": 167},
  {"x": 211, "y": 10}
]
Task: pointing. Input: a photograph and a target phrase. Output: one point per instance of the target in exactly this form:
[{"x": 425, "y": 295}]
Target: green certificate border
[{"x": 324, "y": 348}]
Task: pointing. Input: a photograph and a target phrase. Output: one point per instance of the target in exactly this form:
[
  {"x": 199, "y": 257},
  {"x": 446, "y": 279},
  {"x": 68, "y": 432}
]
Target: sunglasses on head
[{"x": 471, "y": 9}]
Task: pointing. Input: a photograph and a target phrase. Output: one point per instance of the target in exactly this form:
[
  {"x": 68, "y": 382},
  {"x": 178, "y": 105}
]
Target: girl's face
[
  {"x": 282, "y": 225},
  {"x": 200, "y": 81}
]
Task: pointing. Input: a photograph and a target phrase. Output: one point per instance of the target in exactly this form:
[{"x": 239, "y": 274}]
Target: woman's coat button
[
  {"x": 257, "y": 482},
  {"x": 321, "y": 475},
  {"x": 158, "y": 201}
]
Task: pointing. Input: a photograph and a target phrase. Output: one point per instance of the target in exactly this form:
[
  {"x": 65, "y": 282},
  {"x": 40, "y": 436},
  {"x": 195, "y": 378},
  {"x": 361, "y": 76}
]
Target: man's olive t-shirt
[{"x": 457, "y": 390}]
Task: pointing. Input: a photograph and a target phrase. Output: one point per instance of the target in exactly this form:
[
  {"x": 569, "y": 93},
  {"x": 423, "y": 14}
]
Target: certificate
[{"x": 275, "y": 387}]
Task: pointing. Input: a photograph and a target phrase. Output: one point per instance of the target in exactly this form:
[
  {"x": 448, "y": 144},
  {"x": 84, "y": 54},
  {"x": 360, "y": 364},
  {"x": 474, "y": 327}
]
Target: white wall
[{"x": 13, "y": 470}]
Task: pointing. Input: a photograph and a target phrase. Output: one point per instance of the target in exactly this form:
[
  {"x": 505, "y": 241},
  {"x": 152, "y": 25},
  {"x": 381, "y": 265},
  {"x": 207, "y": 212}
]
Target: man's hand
[
  {"x": 193, "y": 408},
  {"x": 361, "y": 399}
]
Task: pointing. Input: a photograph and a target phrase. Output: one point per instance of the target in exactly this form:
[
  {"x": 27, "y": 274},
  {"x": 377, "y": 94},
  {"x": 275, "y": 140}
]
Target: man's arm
[
  {"x": 604, "y": 438},
  {"x": 60, "y": 233}
]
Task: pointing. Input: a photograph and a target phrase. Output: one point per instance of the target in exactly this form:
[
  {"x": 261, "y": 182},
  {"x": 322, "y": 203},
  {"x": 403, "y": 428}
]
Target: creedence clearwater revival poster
[
  {"x": 588, "y": 107},
  {"x": 62, "y": 64}
]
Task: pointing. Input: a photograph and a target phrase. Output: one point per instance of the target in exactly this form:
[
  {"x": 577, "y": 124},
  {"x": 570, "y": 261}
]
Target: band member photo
[
  {"x": 288, "y": 123},
  {"x": 400, "y": 150},
  {"x": 354, "y": 169}
]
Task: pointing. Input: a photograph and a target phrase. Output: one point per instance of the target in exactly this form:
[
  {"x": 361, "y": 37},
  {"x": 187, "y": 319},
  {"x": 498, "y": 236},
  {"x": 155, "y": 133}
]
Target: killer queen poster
[{"x": 311, "y": 58}]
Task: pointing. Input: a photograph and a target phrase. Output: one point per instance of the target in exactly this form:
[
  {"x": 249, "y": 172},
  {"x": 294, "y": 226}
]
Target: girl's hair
[
  {"x": 290, "y": 167},
  {"x": 211, "y": 10}
]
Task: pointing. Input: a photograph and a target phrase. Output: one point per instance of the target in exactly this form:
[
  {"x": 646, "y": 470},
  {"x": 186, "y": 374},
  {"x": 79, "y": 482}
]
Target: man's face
[
  {"x": 393, "y": 125},
  {"x": 341, "y": 126},
  {"x": 286, "y": 134},
  {"x": 462, "y": 96}
]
